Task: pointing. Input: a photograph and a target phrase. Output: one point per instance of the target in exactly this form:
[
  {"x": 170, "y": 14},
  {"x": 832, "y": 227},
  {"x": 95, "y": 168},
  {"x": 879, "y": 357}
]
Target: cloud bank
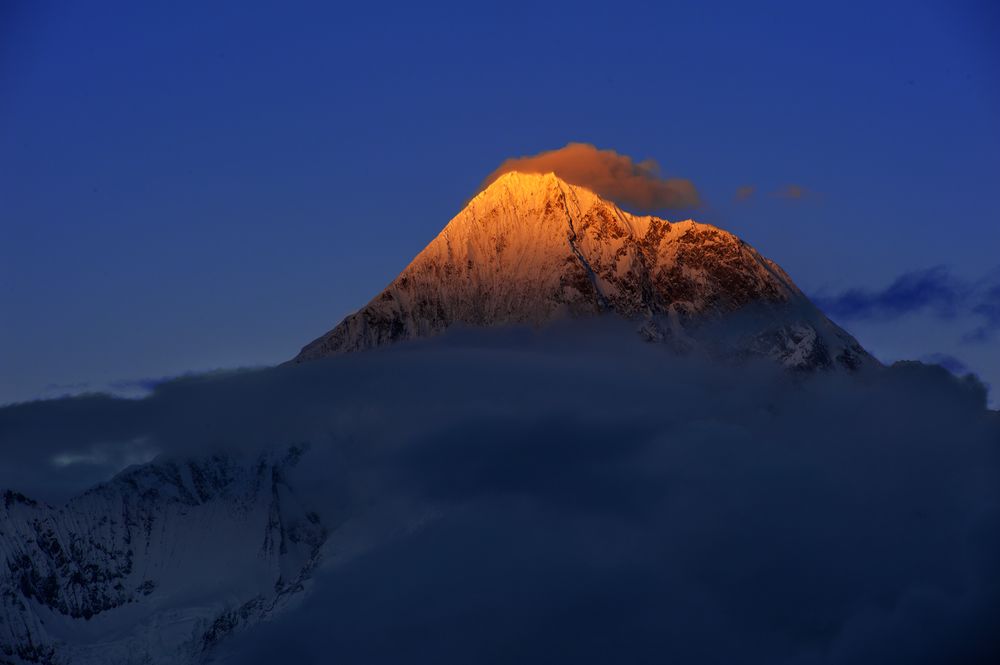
[
  {"x": 636, "y": 185},
  {"x": 528, "y": 497}
]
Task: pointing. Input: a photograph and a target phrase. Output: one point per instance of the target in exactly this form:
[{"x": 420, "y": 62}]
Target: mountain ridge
[{"x": 531, "y": 249}]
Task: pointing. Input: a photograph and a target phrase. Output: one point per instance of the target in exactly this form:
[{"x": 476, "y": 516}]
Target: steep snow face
[
  {"x": 532, "y": 248},
  {"x": 156, "y": 566}
]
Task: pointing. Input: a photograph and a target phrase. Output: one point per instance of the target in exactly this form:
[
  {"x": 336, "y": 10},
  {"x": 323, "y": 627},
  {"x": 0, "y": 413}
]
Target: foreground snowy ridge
[
  {"x": 157, "y": 565},
  {"x": 531, "y": 249}
]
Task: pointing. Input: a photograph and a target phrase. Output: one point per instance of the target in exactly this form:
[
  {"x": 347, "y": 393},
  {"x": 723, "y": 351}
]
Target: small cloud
[
  {"x": 136, "y": 387},
  {"x": 935, "y": 290},
  {"x": 988, "y": 308},
  {"x": 637, "y": 185},
  {"x": 52, "y": 390},
  {"x": 948, "y": 361},
  {"x": 128, "y": 388},
  {"x": 931, "y": 288},
  {"x": 113, "y": 456},
  {"x": 793, "y": 193},
  {"x": 745, "y": 192}
]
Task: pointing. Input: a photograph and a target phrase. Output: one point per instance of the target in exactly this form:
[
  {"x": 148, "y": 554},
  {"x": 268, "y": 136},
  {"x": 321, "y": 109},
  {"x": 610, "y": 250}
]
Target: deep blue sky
[{"x": 185, "y": 186}]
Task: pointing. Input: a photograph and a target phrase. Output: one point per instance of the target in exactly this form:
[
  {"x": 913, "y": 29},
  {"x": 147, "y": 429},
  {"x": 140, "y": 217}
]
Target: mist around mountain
[
  {"x": 571, "y": 494},
  {"x": 564, "y": 433}
]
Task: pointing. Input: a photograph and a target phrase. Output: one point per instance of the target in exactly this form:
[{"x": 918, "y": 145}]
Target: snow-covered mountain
[
  {"x": 531, "y": 249},
  {"x": 164, "y": 561},
  {"x": 155, "y": 566}
]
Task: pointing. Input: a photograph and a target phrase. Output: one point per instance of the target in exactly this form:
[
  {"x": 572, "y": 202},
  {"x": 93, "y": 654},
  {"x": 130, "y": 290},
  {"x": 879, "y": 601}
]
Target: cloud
[
  {"x": 533, "y": 497},
  {"x": 64, "y": 389},
  {"x": 948, "y": 361},
  {"x": 787, "y": 192},
  {"x": 987, "y": 307},
  {"x": 935, "y": 290},
  {"x": 131, "y": 388},
  {"x": 108, "y": 456},
  {"x": 793, "y": 192},
  {"x": 932, "y": 288},
  {"x": 636, "y": 185}
]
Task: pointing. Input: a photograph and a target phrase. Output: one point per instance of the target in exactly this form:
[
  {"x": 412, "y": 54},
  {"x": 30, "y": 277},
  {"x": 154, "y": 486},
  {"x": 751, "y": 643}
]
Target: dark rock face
[{"x": 532, "y": 249}]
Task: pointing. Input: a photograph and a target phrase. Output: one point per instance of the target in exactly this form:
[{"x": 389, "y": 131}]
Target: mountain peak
[
  {"x": 525, "y": 181},
  {"x": 526, "y": 187},
  {"x": 526, "y": 192},
  {"x": 531, "y": 248}
]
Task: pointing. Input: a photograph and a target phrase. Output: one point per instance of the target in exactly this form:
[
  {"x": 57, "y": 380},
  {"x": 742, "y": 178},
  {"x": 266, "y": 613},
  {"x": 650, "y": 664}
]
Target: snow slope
[{"x": 155, "y": 566}]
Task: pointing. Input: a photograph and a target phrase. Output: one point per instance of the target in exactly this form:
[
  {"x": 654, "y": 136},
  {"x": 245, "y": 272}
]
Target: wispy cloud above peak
[
  {"x": 745, "y": 192},
  {"x": 636, "y": 185},
  {"x": 792, "y": 192}
]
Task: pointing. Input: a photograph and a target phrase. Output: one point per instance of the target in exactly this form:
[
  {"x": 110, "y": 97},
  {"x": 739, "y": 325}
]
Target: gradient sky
[{"x": 188, "y": 186}]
